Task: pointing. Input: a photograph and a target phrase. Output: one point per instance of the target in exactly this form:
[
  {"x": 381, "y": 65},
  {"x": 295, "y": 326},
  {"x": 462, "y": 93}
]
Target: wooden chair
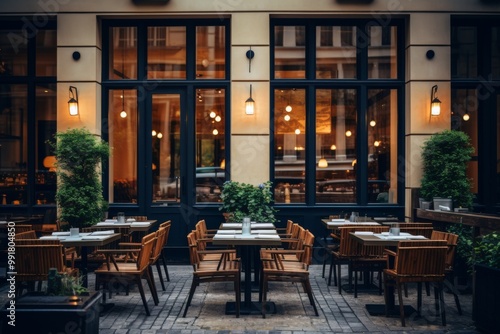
[
  {"x": 226, "y": 269},
  {"x": 416, "y": 230},
  {"x": 127, "y": 272},
  {"x": 23, "y": 228},
  {"x": 350, "y": 250},
  {"x": 452, "y": 240},
  {"x": 34, "y": 258},
  {"x": 280, "y": 270},
  {"x": 167, "y": 225},
  {"x": 31, "y": 234},
  {"x": 417, "y": 261}
]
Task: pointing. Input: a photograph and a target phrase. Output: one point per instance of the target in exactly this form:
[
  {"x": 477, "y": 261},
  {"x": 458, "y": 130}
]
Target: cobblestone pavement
[{"x": 338, "y": 313}]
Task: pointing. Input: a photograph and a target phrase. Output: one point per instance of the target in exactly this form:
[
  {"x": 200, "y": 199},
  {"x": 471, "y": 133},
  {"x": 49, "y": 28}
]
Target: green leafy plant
[
  {"x": 79, "y": 193},
  {"x": 246, "y": 200},
  {"x": 465, "y": 244},
  {"x": 445, "y": 156},
  {"x": 487, "y": 250},
  {"x": 65, "y": 284}
]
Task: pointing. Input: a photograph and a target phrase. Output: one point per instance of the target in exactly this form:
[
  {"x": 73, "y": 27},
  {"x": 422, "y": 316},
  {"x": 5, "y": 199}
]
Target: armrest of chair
[{"x": 391, "y": 255}]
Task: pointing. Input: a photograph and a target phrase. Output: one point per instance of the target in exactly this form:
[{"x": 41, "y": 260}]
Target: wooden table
[
  {"x": 390, "y": 242},
  {"x": 142, "y": 227},
  {"x": 84, "y": 241},
  {"x": 247, "y": 247}
]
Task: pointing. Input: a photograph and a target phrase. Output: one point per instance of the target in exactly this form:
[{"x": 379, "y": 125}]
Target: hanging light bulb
[
  {"x": 123, "y": 114},
  {"x": 373, "y": 123},
  {"x": 297, "y": 131},
  {"x": 159, "y": 135},
  {"x": 212, "y": 114},
  {"x": 322, "y": 163},
  {"x": 287, "y": 118},
  {"x": 215, "y": 132},
  {"x": 288, "y": 108},
  {"x": 466, "y": 117},
  {"x": 348, "y": 133},
  {"x": 153, "y": 133},
  {"x": 218, "y": 118},
  {"x": 376, "y": 143},
  {"x": 333, "y": 147}
]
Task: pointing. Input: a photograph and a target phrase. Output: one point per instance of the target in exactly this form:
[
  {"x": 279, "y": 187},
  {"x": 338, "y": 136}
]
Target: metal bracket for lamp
[{"x": 250, "y": 54}]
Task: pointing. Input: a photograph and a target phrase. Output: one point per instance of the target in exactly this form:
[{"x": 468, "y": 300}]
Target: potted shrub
[
  {"x": 444, "y": 157},
  {"x": 245, "y": 200},
  {"x": 66, "y": 306},
  {"x": 79, "y": 154},
  {"x": 486, "y": 291}
]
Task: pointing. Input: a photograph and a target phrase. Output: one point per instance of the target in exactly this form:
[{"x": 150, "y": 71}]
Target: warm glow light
[
  {"x": 73, "y": 101},
  {"x": 297, "y": 131},
  {"x": 212, "y": 114},
  {"x": 466, "y": 117},
  {"x": 435, "y": 103},
  {"x": 376, "y": 143},
  {"x": 153, "y": 133},
  {"x": 373, "y": 123},
  {"x": 333, "y": 147},
  {"x": 250, "y": 104},
  {"x": 218, "y": 118},
  {"x": 50, "y": 163},
  {"x": 123, "y": 114},
  {"x": 288, "y": 108},
  {"x": 287, "y": 118},
  {"x": 348, "y": 133},
  {"x": 215, "y": 132},
  {"x": 322, "y": 163},
  {"x": 159, "y": 135}
]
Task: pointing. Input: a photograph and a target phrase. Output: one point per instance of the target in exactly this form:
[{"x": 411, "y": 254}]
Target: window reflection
[
  {"x": 123, "y": 53},
  {"x": 464, "y": 52},
  {"x": 336, "y": 120},
  {"x": 382, "y": 145},
  {"x": 166, "y": 52},
  {"x": 165, "y": 150},
  {"x": 13, "y": 56},
  {"x": 336, "y": 52},
  {"x": 382, "y": 52},
  {"x": 46, "y": 127},
  {"x": 210, "y": 144},
  {"x": 289, "y": 52},
  {"x": 122, "y": 117},
  {"x": 210, "y": 52},
  {"x": 290, "y": 145}
]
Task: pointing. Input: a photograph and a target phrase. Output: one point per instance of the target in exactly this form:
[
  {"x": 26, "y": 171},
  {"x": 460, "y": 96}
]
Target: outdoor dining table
[
  {"x": 140, "y": 227},
  {"x": 84, "y": 241},
  {"x": 391, "y": 242},
  {"x": 247, "y": 247}
]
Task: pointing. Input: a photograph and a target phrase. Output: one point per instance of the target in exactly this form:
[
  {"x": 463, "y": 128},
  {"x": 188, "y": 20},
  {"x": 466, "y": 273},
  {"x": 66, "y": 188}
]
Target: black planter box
[
  {"x": 486, "y": 304},
  {"x": 53, "y": 314}
]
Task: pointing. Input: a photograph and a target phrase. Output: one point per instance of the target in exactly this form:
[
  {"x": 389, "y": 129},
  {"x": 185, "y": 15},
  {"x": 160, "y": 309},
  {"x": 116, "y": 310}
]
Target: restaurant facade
[{"x": 330, "y": 100}]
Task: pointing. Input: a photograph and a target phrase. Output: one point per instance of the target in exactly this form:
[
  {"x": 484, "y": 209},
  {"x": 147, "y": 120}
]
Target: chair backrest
[
  {"x": 193, "y": 249},
  {"x": 452, "y": 240},
  {"x": 159, "y": 243},
  {"x": 34, "y": 258},
  {"x": 297, "y": 233},
  {"x": 23, "y": 228},
  {"x": 350, "y": 247},
  {"x": 144, "y": 256},
  {"x": 307, "y": 247},
  {"x": 31, "y": 234},
  {"x": 419, "y": 258}
]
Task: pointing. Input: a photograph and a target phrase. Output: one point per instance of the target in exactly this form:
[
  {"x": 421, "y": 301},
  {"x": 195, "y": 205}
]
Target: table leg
[{"x": 84, "y": 266}]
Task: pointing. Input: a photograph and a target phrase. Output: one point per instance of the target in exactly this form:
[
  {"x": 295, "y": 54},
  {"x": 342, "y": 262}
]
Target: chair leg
[
  {"x": 401, "y": 306},
  {"x": 151, "y": 284},
  {"x": 143, "y": 296},
  {"x": 164, "y": 261},
  {"x": 160, "y": 276},
  {"x": 264, "y": 295},
  {"x": 427, "y": 288},
  {"x": 332, "y": 269},
  {"x": 339, "y": 282},
  {"x": 307, "y": 284},
  {"x": 355, "y": 284},
  {"x": 419, "y": 298},
  {"x": 441, "y": 301},
  {"x": 238, "y": 294},
  {"x": 191, "y": 293},
  {"x": 453, "y": 290}
]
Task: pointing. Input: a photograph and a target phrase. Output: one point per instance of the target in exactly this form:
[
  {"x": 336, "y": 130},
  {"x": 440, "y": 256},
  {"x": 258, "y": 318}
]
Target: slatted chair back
[
  {"x": 144, "y": 255},
  {"x": 159, "y": 243},
  {"x": 23, "y": 228},
  {"x": 420, "y": 260},
  {"x": 193, "y": 249},
  {"x": 307, "y": 247},
  {"x": 350, "y": 247},
  {"x": 451, "y": 240},
  {"x": 31, "y": 234},
  {"x": 34, "y": 258}
]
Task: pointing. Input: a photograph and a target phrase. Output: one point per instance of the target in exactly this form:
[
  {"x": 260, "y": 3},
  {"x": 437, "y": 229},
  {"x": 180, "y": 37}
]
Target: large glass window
[
  {"x": 336, "y": 140},
  {"x": 153, "y": 160},
  {"x": 475, "y": 103},
  {"x": 27, "y": 114}
]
